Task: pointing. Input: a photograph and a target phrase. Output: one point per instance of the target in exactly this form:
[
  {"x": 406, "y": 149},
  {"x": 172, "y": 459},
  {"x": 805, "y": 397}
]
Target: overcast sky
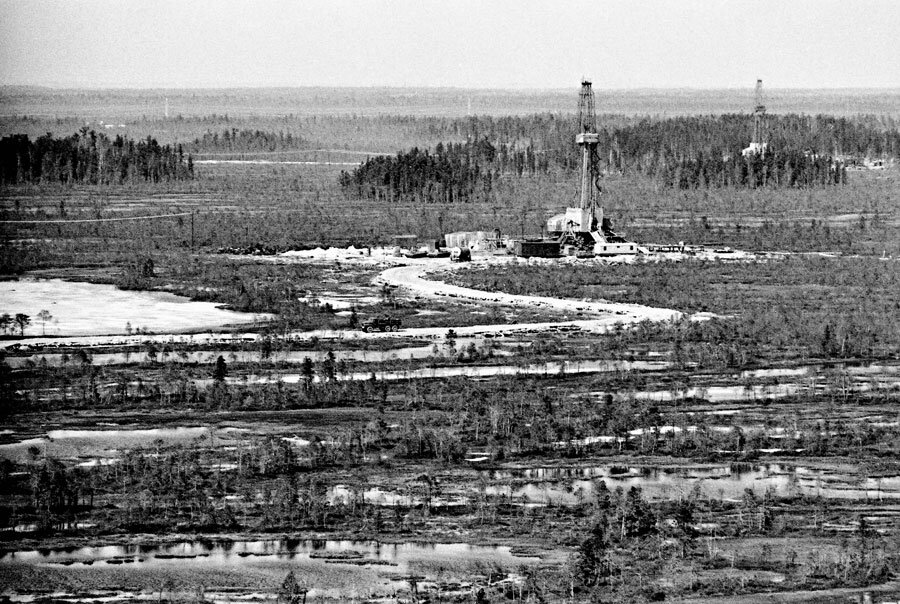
[{"x": 468, "y": 43}]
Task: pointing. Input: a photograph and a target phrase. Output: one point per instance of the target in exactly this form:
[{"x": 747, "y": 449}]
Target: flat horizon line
[{"x": 567, "y": 89}]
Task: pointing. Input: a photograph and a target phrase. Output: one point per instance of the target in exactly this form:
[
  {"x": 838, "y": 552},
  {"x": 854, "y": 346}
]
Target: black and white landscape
[{"x": 484, "y": 302}]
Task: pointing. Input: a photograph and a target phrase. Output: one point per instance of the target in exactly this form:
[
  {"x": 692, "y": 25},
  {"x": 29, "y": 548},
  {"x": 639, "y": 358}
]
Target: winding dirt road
[{"x": 410, "y": 279}]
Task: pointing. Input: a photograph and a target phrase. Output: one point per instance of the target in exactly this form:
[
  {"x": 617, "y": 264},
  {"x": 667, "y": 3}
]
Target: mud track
[{"x": 410, "y": 279}]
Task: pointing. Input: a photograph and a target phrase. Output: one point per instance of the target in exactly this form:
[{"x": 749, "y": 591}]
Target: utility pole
[{"x": 192, "y": 229}]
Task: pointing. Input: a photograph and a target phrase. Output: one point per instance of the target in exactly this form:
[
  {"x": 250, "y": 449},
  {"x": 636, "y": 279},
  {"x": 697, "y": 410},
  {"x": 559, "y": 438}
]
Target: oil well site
[{"x": 450, "y": 345}]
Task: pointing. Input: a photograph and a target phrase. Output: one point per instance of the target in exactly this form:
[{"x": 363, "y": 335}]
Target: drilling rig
[
  {"x": 757, "y": 145},
  {"x": 584, "y": 227}
]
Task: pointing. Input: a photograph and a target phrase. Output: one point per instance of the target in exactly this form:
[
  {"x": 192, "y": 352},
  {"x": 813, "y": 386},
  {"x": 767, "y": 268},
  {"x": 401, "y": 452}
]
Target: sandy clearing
[
  {"x": 109, "y": 442},
  {"x": 371, "y": 255},
  {"x": 86, "y": 309}
]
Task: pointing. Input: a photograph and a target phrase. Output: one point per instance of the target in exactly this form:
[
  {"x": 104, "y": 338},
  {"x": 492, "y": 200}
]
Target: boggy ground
[
  {"x": 783, "y": 480},
  {"x": 784, "y": 384}
]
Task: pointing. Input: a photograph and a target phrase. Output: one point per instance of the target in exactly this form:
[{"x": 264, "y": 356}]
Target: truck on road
[{"x": 382, "y": 323}]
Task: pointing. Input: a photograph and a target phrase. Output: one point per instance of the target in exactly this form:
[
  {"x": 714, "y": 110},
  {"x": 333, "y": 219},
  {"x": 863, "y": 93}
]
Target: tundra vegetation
[{"x": 784, "y": 368}]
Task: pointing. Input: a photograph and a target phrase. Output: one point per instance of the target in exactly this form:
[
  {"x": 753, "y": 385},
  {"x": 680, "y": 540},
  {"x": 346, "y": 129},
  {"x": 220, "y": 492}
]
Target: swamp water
[
  {"x": 209, "y": 357},
  {"x": 569, "y": 486},
  {"x": 573, "y": 486},
  {"x": 335, "y": 569}
]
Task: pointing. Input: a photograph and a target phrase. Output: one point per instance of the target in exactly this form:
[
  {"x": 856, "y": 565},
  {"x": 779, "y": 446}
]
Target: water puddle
[
  {"x": 209, "y": 357},
  {"x": 717, "y": 394},
  {"x": 332, "y": 569},
  {"x": 818, "y": 379},
  {"x": 568, "y": 486},
  {"x": 343, "y": 494},
  {"x": 571, "y": 486},
  {"x": 483, "y": 371}
]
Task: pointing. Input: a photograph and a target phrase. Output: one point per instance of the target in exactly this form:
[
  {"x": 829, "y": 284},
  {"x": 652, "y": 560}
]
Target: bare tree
[{"x": 43, "y": 317}]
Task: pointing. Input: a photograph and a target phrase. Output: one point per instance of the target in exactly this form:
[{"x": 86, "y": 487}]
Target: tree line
[
  {"x": 87, "y": 157},
  {"x": 680, "y": 153},
  {"x": 454, "y": 172},
  {"x": 247, "y": 140},
  {"x": 515, "y": 419},
  {"x": 625, "y": 140},
  {"x": 9, "y": 323}
]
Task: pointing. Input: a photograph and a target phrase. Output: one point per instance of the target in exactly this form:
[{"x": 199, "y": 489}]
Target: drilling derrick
[
  {"x": 584, "y": 228},
  {"x": 578, "y": 223},
  {"x": 757, "y": 145},
  {"x": 588, "y": 139},
  {"x": 759, "y": 114}
]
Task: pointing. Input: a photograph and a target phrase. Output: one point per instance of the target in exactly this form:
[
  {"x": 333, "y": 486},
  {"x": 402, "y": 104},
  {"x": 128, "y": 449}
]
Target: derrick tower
[
  {"x": 757, "y": 144},
  {"x": 583, "y": 229},
  {"x": 759, "y": 115},
  {"x": 588, "y": 139}
]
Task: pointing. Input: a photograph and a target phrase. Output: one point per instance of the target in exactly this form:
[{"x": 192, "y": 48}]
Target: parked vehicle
[
  {"x": 381, "y": 323},
  {"x": 458, "y": 254}
]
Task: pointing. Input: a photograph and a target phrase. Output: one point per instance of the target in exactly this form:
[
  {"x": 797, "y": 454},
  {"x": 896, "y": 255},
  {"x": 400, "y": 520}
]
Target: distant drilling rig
[
  {"x": 757, "y": 144},
  {"x": 584, "y": 228},
  {"x": 588, "y": 140}
]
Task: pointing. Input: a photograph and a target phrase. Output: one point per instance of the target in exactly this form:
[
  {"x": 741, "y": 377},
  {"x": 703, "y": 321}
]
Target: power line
[{"x": 95, "y": 219}]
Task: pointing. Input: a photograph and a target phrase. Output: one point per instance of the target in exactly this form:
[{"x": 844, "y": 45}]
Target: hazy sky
[{"x": 467, "y": 43}]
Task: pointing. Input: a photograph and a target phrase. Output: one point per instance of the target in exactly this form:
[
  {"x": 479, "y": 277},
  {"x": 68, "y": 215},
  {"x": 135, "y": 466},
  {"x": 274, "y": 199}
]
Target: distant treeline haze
[
  {"x": 682, "y": 152},
  {"x": 87, "y": 157},
  {"x": 247, "y": 140}
]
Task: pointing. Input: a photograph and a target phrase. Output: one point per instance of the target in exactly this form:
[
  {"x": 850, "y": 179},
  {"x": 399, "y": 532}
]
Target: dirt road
[{"x": 409, "y": 278}]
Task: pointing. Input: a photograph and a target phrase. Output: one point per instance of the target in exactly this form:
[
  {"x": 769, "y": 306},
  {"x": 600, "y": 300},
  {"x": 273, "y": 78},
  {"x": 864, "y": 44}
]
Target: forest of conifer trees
[
  {"x": 680, "y": 153},
  {"x": 87, "y": 157},
  {"x": 452, "y": 172},
  {"x": 246, "y": 140}
]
